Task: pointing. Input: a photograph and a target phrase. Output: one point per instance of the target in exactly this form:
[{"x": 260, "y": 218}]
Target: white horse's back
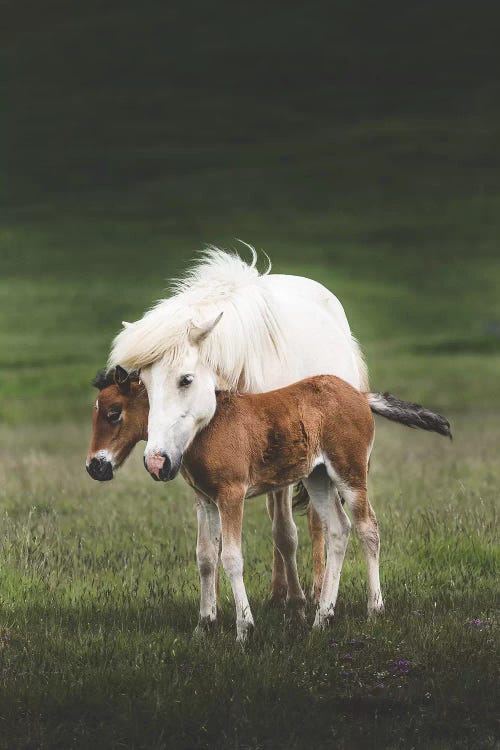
[
  {"x": 317, "y": 334},
  {"x": 276, "y": 329}
]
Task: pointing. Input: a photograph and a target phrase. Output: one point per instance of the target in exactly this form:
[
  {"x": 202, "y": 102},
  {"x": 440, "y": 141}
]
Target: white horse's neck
[{"x": 248, "y": 335}]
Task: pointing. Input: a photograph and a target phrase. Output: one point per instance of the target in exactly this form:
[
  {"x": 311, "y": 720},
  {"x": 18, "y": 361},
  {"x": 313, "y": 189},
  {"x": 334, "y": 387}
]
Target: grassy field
[
  {"x": 99, "y": 599},
  {"x": 364, "y": 155}
]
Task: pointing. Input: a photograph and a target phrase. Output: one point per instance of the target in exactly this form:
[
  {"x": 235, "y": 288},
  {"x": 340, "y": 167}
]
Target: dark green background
[
  {"x": 358, "y": 144},
  {"x": 355, "y": 142}
]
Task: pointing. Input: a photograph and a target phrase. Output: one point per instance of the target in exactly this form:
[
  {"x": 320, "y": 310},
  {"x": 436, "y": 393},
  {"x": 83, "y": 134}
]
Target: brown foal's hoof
[
  {"x": 205, "y": 627},
  {"x": 245, "y": 635},
  {"x": 376, "y": 612}
]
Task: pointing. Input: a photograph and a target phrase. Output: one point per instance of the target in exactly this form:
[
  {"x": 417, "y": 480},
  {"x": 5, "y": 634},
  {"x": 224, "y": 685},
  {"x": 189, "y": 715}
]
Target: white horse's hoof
[{"x": 296, "y": 613}]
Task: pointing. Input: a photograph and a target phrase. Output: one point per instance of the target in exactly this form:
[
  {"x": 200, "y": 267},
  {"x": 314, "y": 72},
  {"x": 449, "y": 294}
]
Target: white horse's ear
[
  {"x": 197, "y": 334},
  {"x": 125, "y": 324}
]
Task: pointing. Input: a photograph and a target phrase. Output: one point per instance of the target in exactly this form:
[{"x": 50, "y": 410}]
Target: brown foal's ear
[{"x": 122, "y": 379}]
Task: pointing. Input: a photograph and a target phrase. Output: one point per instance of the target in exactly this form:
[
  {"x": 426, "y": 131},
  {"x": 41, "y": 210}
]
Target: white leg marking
[
  {"x": 231, "y": 518},
  {"x": 336, "y": 527},
  {"x": 367, "y": 531},
  {"x": 232, "y": 561},
  {"x": 365, "y": 522},
  {"x": 207, "y": 555}
]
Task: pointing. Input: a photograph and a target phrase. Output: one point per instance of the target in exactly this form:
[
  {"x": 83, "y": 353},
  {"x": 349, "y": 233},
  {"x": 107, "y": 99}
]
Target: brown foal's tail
[{"x": 404, "y": 412}]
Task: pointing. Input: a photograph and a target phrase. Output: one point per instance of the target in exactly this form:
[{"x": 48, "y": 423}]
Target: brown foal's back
[{"x": 269, "y": 440}]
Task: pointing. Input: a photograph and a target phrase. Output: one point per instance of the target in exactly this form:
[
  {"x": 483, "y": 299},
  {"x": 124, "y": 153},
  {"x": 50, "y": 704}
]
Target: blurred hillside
[{"x": 355, "y": 142}]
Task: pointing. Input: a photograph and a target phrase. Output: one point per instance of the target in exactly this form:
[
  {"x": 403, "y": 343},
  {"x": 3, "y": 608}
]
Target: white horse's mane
[{"x": 249, "y": 334}]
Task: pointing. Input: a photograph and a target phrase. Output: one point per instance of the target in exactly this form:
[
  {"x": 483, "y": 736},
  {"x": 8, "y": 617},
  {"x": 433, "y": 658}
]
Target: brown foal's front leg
[
  {"x": 230, "y": 504},
  {"x": 207, "y": 555}
]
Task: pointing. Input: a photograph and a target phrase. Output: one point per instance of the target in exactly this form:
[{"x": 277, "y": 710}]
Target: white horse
[{"x": 227, "y": 326}]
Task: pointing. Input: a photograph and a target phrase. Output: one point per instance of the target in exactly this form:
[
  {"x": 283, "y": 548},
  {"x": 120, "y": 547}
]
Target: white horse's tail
[
  {"x": 364, "y": 379},
  {"x": 411, "y": 415}
]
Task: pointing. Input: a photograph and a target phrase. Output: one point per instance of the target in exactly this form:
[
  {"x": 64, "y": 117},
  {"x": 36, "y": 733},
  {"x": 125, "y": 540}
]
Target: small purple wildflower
[
  {"x": 403, "y": 666},
  {"x": 479, "y": 624},
  {"x": 333, "y": 644}
]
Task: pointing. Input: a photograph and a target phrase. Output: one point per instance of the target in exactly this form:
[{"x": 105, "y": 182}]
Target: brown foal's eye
[
  {"x": 114, "y": 416},
  {"x": 186, "y": 380}
]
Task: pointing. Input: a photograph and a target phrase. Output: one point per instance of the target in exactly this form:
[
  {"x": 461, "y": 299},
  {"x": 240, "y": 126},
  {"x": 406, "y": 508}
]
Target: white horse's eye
[{"x": 185, "y": 381}]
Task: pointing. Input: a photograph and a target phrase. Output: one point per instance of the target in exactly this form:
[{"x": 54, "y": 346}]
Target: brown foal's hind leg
[
  {"x": 318, "y": 551},
  {"x": 365, "y": 523},
  {"x": 336, "y": 526},
  {"x": 286, "y": 540},
  {"x": 278, "y": 581}
]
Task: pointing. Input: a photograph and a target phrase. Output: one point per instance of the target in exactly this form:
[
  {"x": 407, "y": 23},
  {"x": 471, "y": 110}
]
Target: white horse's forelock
[{"x": 249, "y": 334}]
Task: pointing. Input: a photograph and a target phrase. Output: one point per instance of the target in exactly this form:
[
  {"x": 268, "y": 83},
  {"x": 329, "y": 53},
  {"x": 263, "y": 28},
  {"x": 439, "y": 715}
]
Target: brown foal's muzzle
[{"x": 100, "y": 469}]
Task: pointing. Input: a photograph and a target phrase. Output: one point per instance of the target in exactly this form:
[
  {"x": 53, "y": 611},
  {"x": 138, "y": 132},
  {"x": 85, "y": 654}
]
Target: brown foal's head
[{"x": 120, "y": 420}]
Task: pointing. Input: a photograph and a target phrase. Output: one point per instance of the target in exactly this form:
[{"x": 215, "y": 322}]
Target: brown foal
[
  {"x": 319, "y": 431},
  {"x": 120, "y": 421}
]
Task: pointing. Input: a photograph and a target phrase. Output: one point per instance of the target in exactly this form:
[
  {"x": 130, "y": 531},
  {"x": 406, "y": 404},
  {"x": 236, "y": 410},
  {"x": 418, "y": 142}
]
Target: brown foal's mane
[{"x": 104, "y": 378}]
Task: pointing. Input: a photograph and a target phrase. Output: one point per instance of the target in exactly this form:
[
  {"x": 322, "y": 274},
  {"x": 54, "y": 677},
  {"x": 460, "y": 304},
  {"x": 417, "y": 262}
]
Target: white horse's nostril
[{"x": 154, "y": 464}]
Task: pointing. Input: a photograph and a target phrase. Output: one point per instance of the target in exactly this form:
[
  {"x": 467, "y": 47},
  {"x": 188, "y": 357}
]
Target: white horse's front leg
[
  {"x": 279, "y": 586},
  {"x": 231, "y": 517},
  {"x": 207, "y": 555},
  {"x": 286, "y": 541}
]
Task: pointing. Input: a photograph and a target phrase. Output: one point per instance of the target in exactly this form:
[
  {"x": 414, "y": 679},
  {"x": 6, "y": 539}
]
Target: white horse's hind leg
[
  {"x": 336, "y": 526},
  {"x": 231, "y": 517},
  {"x": 207, "y": 555},
  {"x": 286, "y": 541},
  {"x": 318, "y": 551},
  {"x": 278, "y": 581}
]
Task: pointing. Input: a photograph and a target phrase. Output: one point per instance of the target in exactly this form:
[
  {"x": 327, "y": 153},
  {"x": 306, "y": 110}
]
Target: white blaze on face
[
  {"x": 181, "y": 402},
  {"x": 101, "y": 455}
]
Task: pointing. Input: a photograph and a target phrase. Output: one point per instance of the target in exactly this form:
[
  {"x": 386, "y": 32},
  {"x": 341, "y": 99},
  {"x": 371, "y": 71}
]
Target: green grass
[
  {"x": 99, "y": 599},
  {"x": 358, "y": 145}
]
